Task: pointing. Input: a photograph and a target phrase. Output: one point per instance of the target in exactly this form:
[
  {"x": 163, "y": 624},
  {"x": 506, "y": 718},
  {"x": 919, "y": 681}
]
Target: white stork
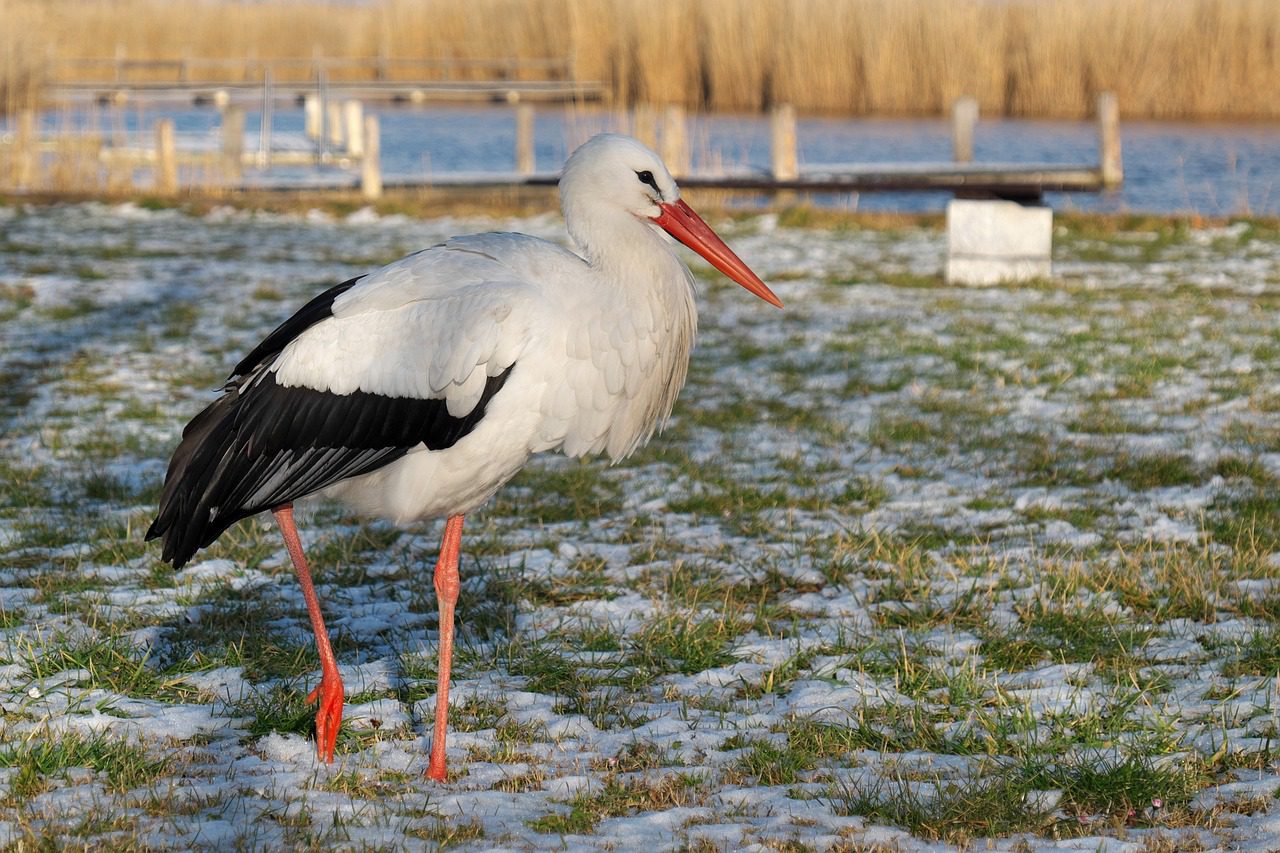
[{"x": 417, "y": 390}]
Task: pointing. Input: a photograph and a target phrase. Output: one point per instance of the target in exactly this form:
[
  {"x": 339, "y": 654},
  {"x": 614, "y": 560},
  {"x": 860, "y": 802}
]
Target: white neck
[{"x": 643, "y": 324}]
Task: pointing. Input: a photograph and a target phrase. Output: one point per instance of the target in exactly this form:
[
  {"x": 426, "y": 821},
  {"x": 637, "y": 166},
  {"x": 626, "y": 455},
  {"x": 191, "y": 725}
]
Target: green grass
[
  {"x": 566, "y": 491},
  {"x": 1154, "y": 471},
  {"x": 283, "y": 710},
  {"x": 1094, "y": 790},
  {"x": 1083, "y": 635},
  {"x": 890, "y": 445},
  {"x": 618, "y": 798},
  {"x": 678, "y": 643},
  {"x": 39, "y": 758},
  {"x": 447, "y": 832},
  {"x": 1247, "y": 514},
  {"x": 1259, "y": 656},
  {"x": 953, "y": 811},
  {"x": 808, "y": 746},
  {"x": 108, "y": 664}
]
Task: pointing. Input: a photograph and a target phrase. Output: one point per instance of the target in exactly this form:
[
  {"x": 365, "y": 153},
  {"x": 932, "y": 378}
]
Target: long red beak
[{"x": 679, "y": 220}]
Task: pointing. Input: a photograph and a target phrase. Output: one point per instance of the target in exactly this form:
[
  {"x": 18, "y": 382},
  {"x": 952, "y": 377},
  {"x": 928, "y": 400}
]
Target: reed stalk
[{"x": 1194, "y": 59}]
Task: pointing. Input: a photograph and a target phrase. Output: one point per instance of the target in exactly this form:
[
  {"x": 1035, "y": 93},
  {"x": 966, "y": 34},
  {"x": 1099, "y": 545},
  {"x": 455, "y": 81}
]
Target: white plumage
[{"x": 418, "y": 390}]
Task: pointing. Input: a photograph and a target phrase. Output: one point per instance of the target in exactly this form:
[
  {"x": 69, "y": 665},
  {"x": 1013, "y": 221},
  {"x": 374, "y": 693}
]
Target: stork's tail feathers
[{"x": 186, "y": 521}]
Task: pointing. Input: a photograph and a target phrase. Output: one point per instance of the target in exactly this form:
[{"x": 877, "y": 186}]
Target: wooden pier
[
  {"x": 220, "y": 81},
  {"x": 339, "y": 134},
  {"x": 1021, "y": 182}
]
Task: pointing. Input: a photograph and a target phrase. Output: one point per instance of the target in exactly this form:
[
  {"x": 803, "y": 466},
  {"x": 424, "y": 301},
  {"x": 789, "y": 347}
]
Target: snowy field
[{"x": 913, "y": 566}]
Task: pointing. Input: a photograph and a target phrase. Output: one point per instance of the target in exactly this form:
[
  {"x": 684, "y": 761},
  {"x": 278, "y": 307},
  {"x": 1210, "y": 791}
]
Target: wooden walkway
[
  {"x": 417, "y": 92},
  {"x": 120, "y": 80},
  {"x": 1012, "y": 181},
  {"x": 995, "y": 180},
  {"x": 339, "y": 134}
]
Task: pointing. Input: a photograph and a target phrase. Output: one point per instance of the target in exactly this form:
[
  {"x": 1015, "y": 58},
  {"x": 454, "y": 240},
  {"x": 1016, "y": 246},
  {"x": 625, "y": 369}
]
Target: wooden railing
[{"x": 120, "y": 70}]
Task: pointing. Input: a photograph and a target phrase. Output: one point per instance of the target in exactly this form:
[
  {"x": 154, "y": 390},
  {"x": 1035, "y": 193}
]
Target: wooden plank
[
  {"x": 1023, "y": 186},
  {"x": 415, "y": 92},
  {"x": 1015, "y": 181},
  {"x": 1003, "y": 181},
  {"x": 504, "y": 65}
]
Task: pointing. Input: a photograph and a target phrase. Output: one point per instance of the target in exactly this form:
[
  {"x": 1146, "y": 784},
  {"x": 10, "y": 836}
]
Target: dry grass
[{"x": 1165, "y": 58}]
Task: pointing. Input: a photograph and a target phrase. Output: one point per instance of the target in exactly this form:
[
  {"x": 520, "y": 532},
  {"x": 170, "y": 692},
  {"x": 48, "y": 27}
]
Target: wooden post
[
  {"x": 964, "y": 117},
  {"x": 784, "y": 143},
  {"x": 268, "y": 108},
  {"x": 333, "y": 123},
  {"x": 644, "y": 122},
  {"x": 311, "y": 114},
  {"x": 166, "y": 158},
  {"x": 526, "y": 162},
  {"x": 353, "y": 122},
  {"x": 25, "y": 156},
  {"x": 675, "y": 141},
  {"x": 233, "y": 142},
  {"x": 371, "y": 165},
  {"x": 322, "y": 91},
  {"x": 1109, "y": 162}
]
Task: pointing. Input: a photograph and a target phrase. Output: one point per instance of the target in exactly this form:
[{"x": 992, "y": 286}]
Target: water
[{"x": 1209, "y": 169}]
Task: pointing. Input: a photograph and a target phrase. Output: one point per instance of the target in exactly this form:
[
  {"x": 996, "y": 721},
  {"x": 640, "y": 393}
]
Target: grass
[
  {"x": 108, "y": 664},
  {"x": 808, "y": 745},
  {"x": 945, "y": 810},
  {"x": 1199, "y": 59},
  {"x": 37, "y": 759},
  {"x": 617, "y": 798},
  {"x": 856, "y": 600}
]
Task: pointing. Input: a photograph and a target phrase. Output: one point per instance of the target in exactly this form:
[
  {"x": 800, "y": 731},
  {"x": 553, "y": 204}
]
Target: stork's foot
[{"x": 329, "y": 715}]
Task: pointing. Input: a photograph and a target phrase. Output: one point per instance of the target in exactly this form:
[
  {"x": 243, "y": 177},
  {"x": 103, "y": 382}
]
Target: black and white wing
[{"x": 368, "y": 370}]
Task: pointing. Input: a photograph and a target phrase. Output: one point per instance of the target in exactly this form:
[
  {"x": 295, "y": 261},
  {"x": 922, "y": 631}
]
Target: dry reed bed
[{"x": 1165, "y": 58}]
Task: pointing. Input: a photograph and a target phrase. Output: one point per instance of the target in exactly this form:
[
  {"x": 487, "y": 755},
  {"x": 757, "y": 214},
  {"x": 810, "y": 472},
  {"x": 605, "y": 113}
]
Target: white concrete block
[{"x": 989, "y": 242}]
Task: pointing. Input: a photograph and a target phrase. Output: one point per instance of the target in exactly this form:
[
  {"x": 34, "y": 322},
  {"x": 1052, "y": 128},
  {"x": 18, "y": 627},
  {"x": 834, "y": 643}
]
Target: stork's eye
[{"x": 646, "y": 177}]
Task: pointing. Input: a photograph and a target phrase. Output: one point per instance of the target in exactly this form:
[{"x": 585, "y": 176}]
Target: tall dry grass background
[{"x": 1164, "y": 58}]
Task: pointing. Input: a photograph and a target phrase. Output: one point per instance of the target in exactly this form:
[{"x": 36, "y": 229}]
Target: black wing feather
[{"x": 262, "y": 445}]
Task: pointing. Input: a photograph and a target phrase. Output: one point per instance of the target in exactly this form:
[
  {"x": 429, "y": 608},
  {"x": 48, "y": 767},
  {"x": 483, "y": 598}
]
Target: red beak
[{"x": 679, "y": 220}]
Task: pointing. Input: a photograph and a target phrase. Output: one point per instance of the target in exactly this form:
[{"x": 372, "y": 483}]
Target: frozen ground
[{"x": 913, "y": 566}]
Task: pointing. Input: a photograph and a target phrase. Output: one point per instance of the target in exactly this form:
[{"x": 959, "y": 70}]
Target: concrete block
[{"x": 989, "y": 242}]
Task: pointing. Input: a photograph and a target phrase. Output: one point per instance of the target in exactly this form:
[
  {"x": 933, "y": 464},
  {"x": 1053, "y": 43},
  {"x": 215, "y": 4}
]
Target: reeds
[{"x": 1164, "y": 58}]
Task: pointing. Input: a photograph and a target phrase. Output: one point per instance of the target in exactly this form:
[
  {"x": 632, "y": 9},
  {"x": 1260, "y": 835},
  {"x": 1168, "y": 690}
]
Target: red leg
[
  {"x": 446, "y": 597},
  {"x": 329, "y": 690}
]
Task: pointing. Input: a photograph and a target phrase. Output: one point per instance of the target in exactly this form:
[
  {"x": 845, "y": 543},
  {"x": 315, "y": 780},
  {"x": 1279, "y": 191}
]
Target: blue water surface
[{"x": 1170, "y": 167}]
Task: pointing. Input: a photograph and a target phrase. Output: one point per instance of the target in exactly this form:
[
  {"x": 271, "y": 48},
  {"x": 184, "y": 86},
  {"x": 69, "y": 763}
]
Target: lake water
[{"x": 1170, "y": 167}]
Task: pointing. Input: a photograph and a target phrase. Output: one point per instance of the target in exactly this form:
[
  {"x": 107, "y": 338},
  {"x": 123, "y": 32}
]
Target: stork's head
[{"x": 612, "y": 175}]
